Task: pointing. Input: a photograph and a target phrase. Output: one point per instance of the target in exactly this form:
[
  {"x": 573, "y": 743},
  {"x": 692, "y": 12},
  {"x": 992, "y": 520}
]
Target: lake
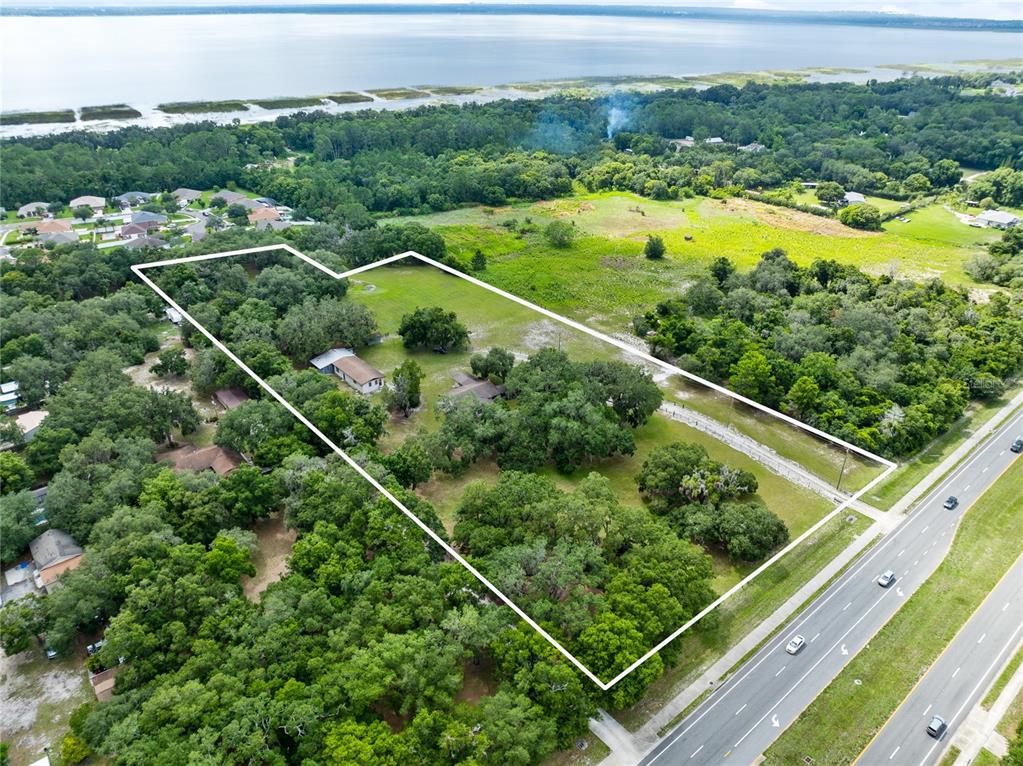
[{"x": 61, "y": 62}]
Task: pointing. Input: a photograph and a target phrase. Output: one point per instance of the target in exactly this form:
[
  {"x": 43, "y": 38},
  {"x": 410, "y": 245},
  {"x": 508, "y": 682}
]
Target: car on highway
[
  {"x": 795, "y": 646},
  {"x": 886, "y": 579},
  {"x": 936, "y": 728},
  {"x": 1017, "y": 446},
  {"x": 951, "y": 503}
]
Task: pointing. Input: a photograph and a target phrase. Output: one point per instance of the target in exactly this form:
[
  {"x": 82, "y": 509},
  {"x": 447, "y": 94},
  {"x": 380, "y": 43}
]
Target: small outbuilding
[
  {"x": 10, "y": 396},
  {"x": 230, "y": 398},
  {"x": 853, "y": 198}
]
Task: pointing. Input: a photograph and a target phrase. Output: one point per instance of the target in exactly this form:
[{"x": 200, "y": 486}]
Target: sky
[{"x": 984, "y": 9}]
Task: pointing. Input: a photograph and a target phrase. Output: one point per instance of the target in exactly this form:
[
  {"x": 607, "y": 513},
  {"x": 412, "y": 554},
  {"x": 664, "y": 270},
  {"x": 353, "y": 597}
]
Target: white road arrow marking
[
  {"x": 774, "y": 721},
  {"x": 898, "y": 592},
  {"x": 844, "y": 650}
]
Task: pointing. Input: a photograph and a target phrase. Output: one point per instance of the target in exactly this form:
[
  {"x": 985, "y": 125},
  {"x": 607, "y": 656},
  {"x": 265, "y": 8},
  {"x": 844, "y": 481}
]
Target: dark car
[
  {"x": 952, "y": 502},
  {"x": 1017, "y": 446},
  {"x": 936, "y": 728}
]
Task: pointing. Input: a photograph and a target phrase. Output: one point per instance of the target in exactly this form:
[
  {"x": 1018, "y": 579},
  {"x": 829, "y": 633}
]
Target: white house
[
  {"x": 998, "y": 219},
  {"x": 357, "y": 373},
  {"x": 33, "y": 210},
  {"x": 853, "y": 198},
  {"x": 96, "y": 203}
]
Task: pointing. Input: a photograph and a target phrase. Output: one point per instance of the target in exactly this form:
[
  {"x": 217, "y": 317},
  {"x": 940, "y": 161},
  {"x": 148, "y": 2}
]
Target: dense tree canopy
[{"x": 882, "y": 363}]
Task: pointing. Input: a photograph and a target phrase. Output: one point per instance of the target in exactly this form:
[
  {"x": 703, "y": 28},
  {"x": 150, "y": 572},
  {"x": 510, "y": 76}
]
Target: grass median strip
[
  {"x": 1003, "y": 680},
  {"x": 836, "y": 727}
]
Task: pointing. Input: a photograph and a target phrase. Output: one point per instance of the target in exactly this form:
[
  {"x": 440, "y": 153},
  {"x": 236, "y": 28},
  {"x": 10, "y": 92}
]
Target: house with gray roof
[
  {"x": 58, "y": 238},
  {"x": 54, "y": 552},
  {"x": 998, "y": 219},
  {"x": 132, "y": 198},
  {"x": 144, "y": 216},
  {"x": 140, "y": 242},
  {"x": 185, "y": 196}
]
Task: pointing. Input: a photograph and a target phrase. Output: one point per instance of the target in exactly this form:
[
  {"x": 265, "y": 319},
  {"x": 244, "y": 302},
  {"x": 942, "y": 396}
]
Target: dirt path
[{"x": 271, "y": 557}]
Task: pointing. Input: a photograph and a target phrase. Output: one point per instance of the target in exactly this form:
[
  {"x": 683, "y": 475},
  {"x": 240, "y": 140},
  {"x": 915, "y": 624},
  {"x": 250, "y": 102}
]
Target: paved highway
[
  {"x": 747, "y": 713},
  {"x": 956, "y": 681}
]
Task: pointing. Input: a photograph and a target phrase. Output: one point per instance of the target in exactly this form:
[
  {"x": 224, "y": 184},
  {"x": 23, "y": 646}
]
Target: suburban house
[
  {"x": 96, "y": 203},
  {"x": 853, "y": 198},
  {"x": 58, "y": 238},
  {"x": 229, "y": 398},
  {"x": 231, "y": 197},
  {"x": 133, "y": 230},
  {"x": 217, "y": 459},
  {"x": 132, "y": 198},
  {"x": 682, "y": 143},
  {"x": 144, "y": 216},
  {"x": 56, "y": 226},
  {"x": 28, "y": 423},
  {"x": 33, "y": 210},
  {"x": 10, "y": 398},
  {"x": 186, "y": 196},
  {"x": 998, "y": 219},
  {"x": 54, "y": 552},
  {"x": 140, "y": 242},
  {"x": 358, "y": 374},
  {"x": 467, "y": 385},
  {"x": 261, "y": 214}
]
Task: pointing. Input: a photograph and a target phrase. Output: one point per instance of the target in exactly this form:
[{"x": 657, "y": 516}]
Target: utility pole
[{"x": 842, "y": 472}]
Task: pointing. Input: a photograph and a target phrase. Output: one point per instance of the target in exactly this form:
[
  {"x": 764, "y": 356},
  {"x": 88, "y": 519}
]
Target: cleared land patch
[{"x": 577, "y": 282}]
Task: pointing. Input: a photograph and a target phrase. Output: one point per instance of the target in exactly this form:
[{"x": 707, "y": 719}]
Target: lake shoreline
[{"x": 267, "y": 109}]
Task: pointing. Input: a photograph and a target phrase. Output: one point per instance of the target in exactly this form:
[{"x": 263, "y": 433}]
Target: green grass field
[
  {"x": 604, "y": 276},
  {"x": 840, "y": 722}
]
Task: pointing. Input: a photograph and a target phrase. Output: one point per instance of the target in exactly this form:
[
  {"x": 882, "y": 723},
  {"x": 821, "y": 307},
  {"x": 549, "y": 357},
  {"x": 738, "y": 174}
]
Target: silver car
[
  {"x": 886, "y": 579},
  {"x": 795, "y": 646}
]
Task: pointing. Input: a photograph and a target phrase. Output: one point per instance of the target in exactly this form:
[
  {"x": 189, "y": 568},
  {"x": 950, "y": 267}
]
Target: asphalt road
[
  {"x": 956, "y": 680},
  {"x": 741, "y": 719}
]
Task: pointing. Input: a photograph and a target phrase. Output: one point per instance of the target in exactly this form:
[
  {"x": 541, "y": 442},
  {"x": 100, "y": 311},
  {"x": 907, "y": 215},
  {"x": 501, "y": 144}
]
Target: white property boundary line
[{"x": 889, "y": 465}]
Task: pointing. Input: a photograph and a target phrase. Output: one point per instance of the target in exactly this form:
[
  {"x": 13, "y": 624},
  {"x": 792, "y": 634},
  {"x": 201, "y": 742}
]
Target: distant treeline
[{"x": 351, "y": 168}]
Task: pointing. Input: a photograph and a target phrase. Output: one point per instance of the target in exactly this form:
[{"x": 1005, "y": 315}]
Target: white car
[
  {"x": 795, "y": 646},
  {"x": 886, "y": 579}
]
